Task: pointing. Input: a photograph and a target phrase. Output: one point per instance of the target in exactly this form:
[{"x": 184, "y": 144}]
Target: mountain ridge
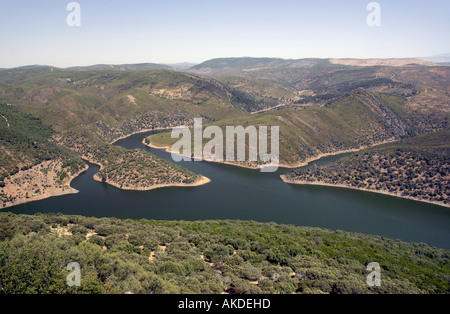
[{"x": 191, "y": 66}]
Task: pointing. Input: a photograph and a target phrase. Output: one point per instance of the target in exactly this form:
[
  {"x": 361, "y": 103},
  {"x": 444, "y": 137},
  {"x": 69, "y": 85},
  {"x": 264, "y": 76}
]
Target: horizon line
[{"x": 243, "y": 57}]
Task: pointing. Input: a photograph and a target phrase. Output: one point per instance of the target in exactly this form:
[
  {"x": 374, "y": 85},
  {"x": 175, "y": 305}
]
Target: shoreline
[
  {"x": 139, "y": 132},
  {"x": 202, "y": 181},
  {"x": 349, "y": 187},
  {"x": 281, "y": 166},
  {"x": 347, "y": 151},
  {"x": 168, "y": 150},
  {"x": 67, "y": 189}
]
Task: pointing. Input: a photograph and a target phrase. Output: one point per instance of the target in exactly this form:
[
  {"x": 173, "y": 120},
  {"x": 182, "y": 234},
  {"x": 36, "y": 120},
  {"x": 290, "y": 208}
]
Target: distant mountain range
[
  {"x": 181, "y": 66},
  {"x": 231, "y": 66},
  {"x": 441, "y": 59},
  {"x": 122, "y": 67},
  {"x": 117, "y": 67},
  {"x": 136, "y": 67}
]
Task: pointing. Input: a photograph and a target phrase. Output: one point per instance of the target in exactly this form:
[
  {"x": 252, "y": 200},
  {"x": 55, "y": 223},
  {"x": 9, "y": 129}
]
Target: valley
[
  {"x": 323, "y": 107},
  {"x": 224, "y": 155}
]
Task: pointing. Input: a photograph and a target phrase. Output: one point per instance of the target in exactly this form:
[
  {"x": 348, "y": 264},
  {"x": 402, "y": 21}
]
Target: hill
[
  {"x": 113, "y": 97},
  {"x": 87, "y": 110},
  {"x": 441, "y": 59},
  {"x": 32, "y": 167},
  {"x": 321, "y": 108},
  {"x": 330, "y": 76},
  {"x": 358, "y": 119},
  {"x": 383, "y": 62},
  {"x": 209, "y": 257},
  {"x": 262, "y": 90},
  {"x": 416, "y": 168},
  {"x": 121, "y": 67}
]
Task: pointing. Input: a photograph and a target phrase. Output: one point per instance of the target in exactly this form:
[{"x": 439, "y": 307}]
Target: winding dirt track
[
  {"x": 7, "y": 122},
  {"x": 268, "y": 109}
]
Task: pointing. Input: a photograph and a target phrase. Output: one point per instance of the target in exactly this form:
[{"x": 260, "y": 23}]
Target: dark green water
[{"x": 237, "y": 193}]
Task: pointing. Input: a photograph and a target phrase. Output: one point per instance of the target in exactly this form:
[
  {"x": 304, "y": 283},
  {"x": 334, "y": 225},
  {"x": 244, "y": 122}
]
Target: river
[{"x": 245, "y": 194}]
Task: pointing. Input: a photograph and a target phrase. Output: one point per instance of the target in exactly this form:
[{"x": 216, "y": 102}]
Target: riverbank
[
  {"x": 344, "y": 186},
  {"x": 202, "y": 180},
  {"x": 139, "y": 132},
  {"x": 41, "y": 187},
  {"x": 233, "y": 189},
  {"x": 168, "y": 150},
  {"x": 199, "y": 182},
  {"x": 285, "y": 166}
]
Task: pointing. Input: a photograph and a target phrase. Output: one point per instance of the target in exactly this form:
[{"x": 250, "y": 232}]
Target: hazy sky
[{"x": 171, "y": 31}]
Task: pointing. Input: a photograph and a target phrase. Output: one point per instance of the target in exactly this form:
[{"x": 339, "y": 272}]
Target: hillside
[
  {"x": 261, "y": 90},
  {"x": 87, "y": 110},
  {"x": 321, "y": 108},
  {"x": 232, "y": 257},
  {"x": 416, "y": 168},
  {"x": 236, "y": 66},
  {"x": 382, "y": 62},
  {"x": 247, "y": 64},
  {"x": 139, "y": 170},
  {"x": 121, "y": 67},
  {"x": 24, "y": 142},
  {"x": 327, "y": 78},
  {"x": 32, "y": 167},
  {"x": 118, "y": 100},
  {"x": 359, "y": 119}
]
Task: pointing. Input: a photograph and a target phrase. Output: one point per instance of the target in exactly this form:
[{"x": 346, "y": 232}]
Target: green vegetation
[
  {"x": 89, "y": 108},
  {"x": 127, "y": 169},
  {"x": 416, "y": 168},
  {"x": 322, "y": 107},
  {"x": 138, "y": 169},
  {"x": 322, "y": 75},
  {"x": 264, "y": 94},
  {"x": 119, "y": 256},
  {"x": 62, "y": 115},
  {"x": 358, "y": 119},
  {"x": 26, "y": 143},
  {"x": 123, "y": 101}
]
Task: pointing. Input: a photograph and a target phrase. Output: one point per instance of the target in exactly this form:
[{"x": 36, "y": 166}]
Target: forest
[
  {"x": 207, "y": 257},
  {"x": 416, "y": 168}
]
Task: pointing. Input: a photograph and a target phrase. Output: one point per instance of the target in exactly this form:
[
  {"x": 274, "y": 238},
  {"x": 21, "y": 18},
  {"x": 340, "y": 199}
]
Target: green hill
[
  {"x": 416, "y": 168},
  {"x": 321, "y": 106},
  {"x": 121, "y": 67},
  {"x": 88, "y": 110},
  {"x": 119, "y": 99},
  {"x": 328, "y": 78},
  {"x": 358, "y": 119},
  {"x": 235, "y": 257},
  {"x": 24, "y": 143}
]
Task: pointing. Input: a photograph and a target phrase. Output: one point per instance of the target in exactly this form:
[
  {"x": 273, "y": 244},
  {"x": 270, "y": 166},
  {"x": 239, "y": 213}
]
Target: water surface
[{"x": 237, "y": 193}]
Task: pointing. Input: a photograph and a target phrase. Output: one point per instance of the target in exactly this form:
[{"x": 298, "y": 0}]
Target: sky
[{"x": 174, "y": 31}]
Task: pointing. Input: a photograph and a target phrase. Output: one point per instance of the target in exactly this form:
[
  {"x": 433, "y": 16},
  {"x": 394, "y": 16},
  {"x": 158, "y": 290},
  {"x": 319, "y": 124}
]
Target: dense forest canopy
[{"x": 236, "y": 257}]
